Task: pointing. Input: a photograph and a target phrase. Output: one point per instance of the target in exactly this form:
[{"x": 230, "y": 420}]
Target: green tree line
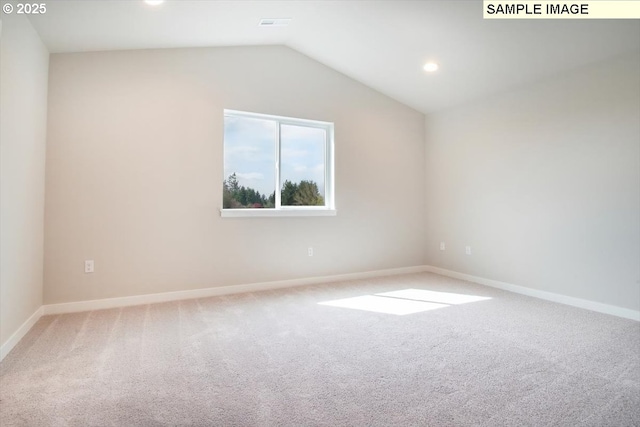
[{"x": 236, "y": 196}]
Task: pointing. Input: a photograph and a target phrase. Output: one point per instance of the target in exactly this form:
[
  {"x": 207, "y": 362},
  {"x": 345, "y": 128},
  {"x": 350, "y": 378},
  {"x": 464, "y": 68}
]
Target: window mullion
[
  {"x": 327, "y": 181},
  {"x": 329, "y": 169},
  {"x": 278, "y": 194}
]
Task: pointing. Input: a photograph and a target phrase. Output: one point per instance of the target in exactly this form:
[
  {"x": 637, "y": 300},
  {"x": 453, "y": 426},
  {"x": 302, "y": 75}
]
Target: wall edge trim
[
  {"x": 15, "y": 338},
  {"x": 548, "y": 296},
  {"x": 106, "y": 303}
]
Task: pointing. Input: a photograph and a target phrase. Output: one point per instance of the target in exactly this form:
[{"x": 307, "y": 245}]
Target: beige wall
[
  {"x": 544, "y": 184},
  {"x": 23, "y": 118},
  {"x": 134, "y": 171}
]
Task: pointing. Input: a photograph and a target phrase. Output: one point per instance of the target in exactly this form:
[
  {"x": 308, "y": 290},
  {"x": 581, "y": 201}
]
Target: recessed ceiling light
[
  {"x": 430, "y": 67},
  {"x": 153, "y": 2},
  {"x": 274, "y": 22}
]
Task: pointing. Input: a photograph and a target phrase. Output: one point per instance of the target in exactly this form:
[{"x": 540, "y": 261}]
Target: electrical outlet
[
  {"x": 467, "y": 250},
  {"x": 442, "y": 246},
  {"x": 310, "y": 251},
  {"x": 88, "y": 266}
]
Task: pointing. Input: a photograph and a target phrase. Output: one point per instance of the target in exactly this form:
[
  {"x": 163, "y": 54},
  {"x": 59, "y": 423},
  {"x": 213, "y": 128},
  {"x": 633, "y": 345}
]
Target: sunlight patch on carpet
[
  {"x": 433, "y": 296},
  {"x": 406, "y": 301},
  {"x": 387, "y": 305}
]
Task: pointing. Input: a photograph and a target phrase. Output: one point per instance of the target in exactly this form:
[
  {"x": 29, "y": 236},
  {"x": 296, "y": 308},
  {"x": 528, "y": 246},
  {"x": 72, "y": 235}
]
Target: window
[{"x": 276, "y": 166}]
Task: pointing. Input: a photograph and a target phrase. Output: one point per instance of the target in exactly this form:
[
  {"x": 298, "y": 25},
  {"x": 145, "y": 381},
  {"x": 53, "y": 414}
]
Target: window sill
[{"x": 271, "y": 213}]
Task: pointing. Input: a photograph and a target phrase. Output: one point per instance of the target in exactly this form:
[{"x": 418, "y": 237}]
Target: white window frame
[{"x": 291, "y": 211}]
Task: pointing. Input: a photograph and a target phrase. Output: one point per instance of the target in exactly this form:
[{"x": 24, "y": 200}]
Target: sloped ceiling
[{"x": 382, "y": 44}]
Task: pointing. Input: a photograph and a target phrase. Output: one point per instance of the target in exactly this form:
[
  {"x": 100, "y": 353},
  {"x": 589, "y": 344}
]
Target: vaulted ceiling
[{"x": 383, "y": 44}]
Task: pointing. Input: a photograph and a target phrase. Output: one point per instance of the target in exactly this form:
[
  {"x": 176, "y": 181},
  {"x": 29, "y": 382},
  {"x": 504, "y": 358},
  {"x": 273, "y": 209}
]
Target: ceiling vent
[{"x": 277, "y": 22}]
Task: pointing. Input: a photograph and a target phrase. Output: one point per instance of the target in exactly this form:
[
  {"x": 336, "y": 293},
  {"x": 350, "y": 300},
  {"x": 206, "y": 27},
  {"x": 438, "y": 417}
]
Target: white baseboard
[
  {"x": 549, "y": 296},
  {"x": 21, "y": 332},
  {"x": 72, "y": 307},
  {"x": 100, "y": 304}
]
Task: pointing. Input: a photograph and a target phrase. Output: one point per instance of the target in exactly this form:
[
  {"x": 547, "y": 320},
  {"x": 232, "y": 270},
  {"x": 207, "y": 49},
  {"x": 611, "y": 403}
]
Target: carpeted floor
[{"x": 279, "y": 358}]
